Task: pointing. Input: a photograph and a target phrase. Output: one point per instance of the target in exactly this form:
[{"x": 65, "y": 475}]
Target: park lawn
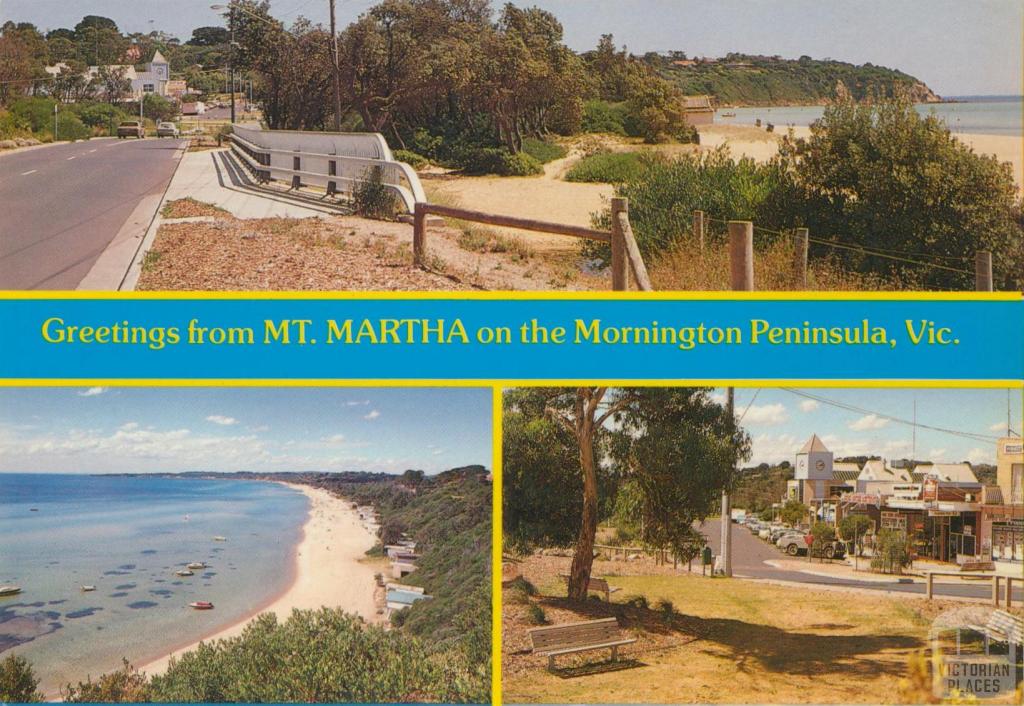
[{"x": 729, "y": 640}]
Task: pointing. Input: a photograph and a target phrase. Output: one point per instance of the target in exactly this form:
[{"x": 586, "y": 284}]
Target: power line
[{"x": 985, "y": 438}]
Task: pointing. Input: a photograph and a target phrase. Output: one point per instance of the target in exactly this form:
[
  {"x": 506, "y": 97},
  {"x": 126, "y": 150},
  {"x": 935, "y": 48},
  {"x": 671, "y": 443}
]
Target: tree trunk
[{"x": 583, "y": 557}]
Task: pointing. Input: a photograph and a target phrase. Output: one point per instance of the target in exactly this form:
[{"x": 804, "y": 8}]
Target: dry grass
[
  {"x": 704, "y": 640},
  {"x": 189, "y": 208},
  {"x": 686, "y": 268}
]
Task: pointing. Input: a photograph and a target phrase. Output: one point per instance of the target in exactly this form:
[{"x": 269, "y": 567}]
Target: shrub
[
  {"x": 414, "y": 160},
  {"x": 99, "y": 115},
  {"x": 18, "y": 682},
  {"x": 324, "y": 655},
  {"x": 34, "y": 113},
  {"x": 882, "y": 176},
  {"x": 638, "y": 602},
  {"x": 604, "y": 117},
  {"x": 542, "y": 150},
  {"x": 373, "y": 199},
  {"x": 125, "y": 685},
  {"x": 520, "y": 164},
  {"x": 535, "y": 615},
  {"x": 497, "y": 160},
  {"x": 892, "y": 552},
  {"x": 607, "y": 168},
  {"x": 69, "y": 127},
  {"x": 520, "y": 583}
]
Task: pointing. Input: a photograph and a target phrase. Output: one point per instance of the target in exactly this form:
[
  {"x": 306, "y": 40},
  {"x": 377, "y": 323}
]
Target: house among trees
[
  {"x": 155, "y": 78},
  {"x": 698, "y": 110}
]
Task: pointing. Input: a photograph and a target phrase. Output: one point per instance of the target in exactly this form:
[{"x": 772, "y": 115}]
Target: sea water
[
  {"x": 983, "y": 115},
  {"x": 127, "y": 535}
]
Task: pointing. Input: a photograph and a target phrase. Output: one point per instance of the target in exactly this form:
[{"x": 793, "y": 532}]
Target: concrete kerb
[
  {"x": 29, "y": 148},
  {"x": 131, "y": 276}
]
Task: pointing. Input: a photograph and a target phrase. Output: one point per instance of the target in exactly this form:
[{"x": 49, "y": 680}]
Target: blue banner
[{"x": 563, "y": 338}]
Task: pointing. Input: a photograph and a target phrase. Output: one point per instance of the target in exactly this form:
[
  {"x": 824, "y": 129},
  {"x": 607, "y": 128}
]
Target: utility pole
[
  {"x": 337, "y": 72},
  {"x": 741, "y": 276},
  {"x": 231, "y": 27},
  {"x": 727, "y": 501}
]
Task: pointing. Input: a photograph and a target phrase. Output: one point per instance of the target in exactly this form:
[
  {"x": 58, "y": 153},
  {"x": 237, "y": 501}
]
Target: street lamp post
[{"x": 230, "y": 7}]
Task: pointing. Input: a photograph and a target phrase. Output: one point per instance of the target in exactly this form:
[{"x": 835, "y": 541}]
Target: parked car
[
  {"x": 778, "y": 532},
  {"x": 130, "y": 128},
  {"x": 795, "y": 544},
  {"x": 167, "y": 130},
  {"x": 764, "y": 533}
]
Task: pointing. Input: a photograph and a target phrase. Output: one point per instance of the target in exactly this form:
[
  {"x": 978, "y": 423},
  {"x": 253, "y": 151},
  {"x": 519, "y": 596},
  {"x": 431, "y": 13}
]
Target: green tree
[
  {"x": 853, "y": 528},
  {"x": 674, "y": 448},
  {"x": 891, "y": 552},
  {"x": 884, "y": 178},
  {"x": 793, "y": 512},
  {"x": 158, "y": 108},
  {"x": 209, "y": 36},
  {"x": 18, "y": 682},
  {"x": 822, "y": 534}
]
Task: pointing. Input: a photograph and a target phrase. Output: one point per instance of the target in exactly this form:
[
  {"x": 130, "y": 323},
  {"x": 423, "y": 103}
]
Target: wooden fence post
[
  {"x": 419, "y": 235},
  {"x": 698, "y": 229},
  {"x": 800, "y": 257},
  {"x": 620, "y": 267},
  {"x": 741, "y": 257},
  {"x": 930, "y": 587},
  {"x": 995, "y": 590},
  {"x": 983, "y": 271}
]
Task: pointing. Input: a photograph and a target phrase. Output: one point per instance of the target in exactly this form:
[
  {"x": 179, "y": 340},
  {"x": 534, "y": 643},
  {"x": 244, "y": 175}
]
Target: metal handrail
[{"x": 396, "y": 171}]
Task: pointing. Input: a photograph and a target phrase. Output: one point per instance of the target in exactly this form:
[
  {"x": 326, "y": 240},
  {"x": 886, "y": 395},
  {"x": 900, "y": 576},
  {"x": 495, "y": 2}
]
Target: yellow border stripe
[
  {"x": 496, "y": 546},
  {"x": 517, "y": 296},
  {"x": 502, "y": 383}
]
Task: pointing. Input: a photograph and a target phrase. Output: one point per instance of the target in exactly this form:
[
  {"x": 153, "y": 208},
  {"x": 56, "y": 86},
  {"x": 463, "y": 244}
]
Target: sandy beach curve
[{"x": 328, "y": 571}]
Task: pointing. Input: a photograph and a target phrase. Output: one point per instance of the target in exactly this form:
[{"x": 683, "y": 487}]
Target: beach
[
  {"x": 761, "y": 145},
  {"x": 328, "y": 571}
]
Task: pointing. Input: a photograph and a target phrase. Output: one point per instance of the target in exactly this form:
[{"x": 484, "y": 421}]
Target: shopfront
[{"x": 1005, "y": 532}]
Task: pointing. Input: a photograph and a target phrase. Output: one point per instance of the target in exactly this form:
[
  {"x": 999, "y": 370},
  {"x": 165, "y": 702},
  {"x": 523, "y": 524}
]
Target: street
[
  {"x": 63, "y": 204},
  {"x": 750, "y": 554}
]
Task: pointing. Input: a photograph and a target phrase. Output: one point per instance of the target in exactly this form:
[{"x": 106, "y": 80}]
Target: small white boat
[
  {"x": 183, "y": 572},
  {"x": 201, "y": 605},
  {"x": 197, "y": 565},
  {"x": 218, "y": 538},
  {"x": 9, "y": 590},
  {"x": 86, "y": 589}
]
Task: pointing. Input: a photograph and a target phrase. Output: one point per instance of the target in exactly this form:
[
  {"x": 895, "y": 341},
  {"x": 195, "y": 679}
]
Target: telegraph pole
[
  {"x": 336, "y": 69},
  {"x": 231, "y": 23},
  {"x": 727, "y": 501}
]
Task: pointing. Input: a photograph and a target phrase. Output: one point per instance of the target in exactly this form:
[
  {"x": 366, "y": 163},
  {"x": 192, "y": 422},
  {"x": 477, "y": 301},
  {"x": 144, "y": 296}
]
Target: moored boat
[
  {"x": 88, "y": 588},
  {"x": 197, "y": 565},
  {"x": 183, "y": 572},
  {"x": 218, "y": 538},
  {"x": 201, "y": 605},
  {"x": 9, "y": 590}
]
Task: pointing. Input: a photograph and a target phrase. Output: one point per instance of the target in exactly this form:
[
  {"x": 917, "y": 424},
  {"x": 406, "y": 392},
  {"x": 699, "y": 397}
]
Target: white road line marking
[
  {"x": 33, "y": 171},
  {"x": 70, "y": 158},
  {"x": 91, "y": 151}
]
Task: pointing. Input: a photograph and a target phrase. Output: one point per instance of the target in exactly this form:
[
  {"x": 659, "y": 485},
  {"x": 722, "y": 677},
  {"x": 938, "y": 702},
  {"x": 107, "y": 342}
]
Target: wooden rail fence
[
  {"x": 626, "y": 262},
  {"x": 995, "y": 578},
  {"x": 801, "y": 245}
]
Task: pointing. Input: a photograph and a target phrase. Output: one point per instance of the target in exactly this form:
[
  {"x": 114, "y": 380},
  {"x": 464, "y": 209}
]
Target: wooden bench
[
  {"x": 597, "y": 584},
  {"x": 1001, "y": 627},
  {"x": 568, "y": 638}
]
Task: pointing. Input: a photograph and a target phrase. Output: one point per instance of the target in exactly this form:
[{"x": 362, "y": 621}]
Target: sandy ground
[
  {"x": 549, "y": 198},
  {"x": 328, "y": 569}
]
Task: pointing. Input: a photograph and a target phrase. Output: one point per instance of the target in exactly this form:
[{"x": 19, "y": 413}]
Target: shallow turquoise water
[{"x": 127, "y": 536}]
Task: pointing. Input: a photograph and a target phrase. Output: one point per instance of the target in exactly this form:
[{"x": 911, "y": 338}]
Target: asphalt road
[
  {"x": 61, "y": 205},
  {"x": 750, "y": 554}
]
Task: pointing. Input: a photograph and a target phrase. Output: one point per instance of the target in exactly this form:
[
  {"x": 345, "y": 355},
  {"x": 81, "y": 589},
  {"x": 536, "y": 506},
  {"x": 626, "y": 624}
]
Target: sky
[
  {"x": 779, "y": 422},
  {"x": 142, "y": 430},
  {"x": 958, "y": 47}
]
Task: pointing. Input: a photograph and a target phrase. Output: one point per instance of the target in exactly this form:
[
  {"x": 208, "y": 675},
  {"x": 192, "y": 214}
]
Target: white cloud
[
  {"x": 372, "y": 415},
  {"x": 437, "y": 452},
  {"x": 357, "y": 403},
  {"x": 809, "y": 405},
  {"x": 869, "y": 421},
  {"x": 766, "y": 415},
  {"x": 222, "y": 420},
  {"x": 128, "y": 426},
  {"x": 718, "y": 398},
  {"x": 92, "y": 392},
  {"x": 769, "y": 448},
  {"x": 979, "y": 455},
  {"x": 938, "y": 455},
  {"x": 334, "y": 439}
]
